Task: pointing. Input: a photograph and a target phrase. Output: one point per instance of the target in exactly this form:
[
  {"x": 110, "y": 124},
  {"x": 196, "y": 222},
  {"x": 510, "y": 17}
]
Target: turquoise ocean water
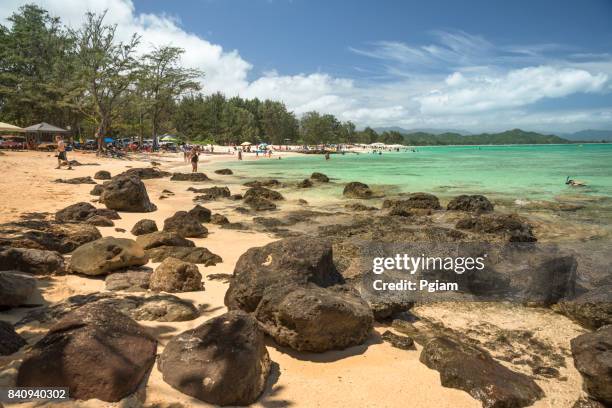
[{"x": 530, "y": 172}]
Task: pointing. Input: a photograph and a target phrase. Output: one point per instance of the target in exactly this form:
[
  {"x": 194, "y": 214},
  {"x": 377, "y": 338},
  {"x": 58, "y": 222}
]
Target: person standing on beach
[
  {"x": 61, "y": 153},
  {"x": 326, "y": 155},
  {"x": 194, "y": 160},
  {"x": 239, "y": 154}
]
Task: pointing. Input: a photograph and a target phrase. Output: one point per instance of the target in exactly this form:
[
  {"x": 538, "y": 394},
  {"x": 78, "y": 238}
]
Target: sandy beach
[{"x": 373, "y": 374}]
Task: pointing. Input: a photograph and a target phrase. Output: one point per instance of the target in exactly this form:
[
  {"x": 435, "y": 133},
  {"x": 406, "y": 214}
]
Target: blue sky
[{"x": 475, "y": 65}]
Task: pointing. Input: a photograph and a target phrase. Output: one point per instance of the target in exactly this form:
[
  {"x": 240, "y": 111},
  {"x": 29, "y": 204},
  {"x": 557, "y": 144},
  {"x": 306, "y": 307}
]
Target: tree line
[{"x": 88, "y": 80}]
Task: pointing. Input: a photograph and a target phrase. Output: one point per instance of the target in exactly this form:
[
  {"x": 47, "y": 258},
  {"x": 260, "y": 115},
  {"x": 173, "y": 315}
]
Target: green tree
[
  {"x": 105, "y": 70},
  {"x": 161, "y": 81}
]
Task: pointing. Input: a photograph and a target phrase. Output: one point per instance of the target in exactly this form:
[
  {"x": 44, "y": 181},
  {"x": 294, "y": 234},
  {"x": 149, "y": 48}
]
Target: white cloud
[
  {"x": 517, "y": 88},
  {"x": 459, "y": 80}
]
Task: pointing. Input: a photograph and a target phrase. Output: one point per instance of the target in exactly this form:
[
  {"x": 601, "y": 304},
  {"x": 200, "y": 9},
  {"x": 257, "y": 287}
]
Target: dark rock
[
  {"x": 102, "y": 175},
  {"x": 264, "y": 183},
  {"x": 35, "y": 261},
  {"x": 126, "y": 193},
  {"x": 262, "y": 192},
  {"x": 508, "y": 225},
  {"x": 108, "y": 213},
  {"x": 186, "y": 225},
  {"x": 223, "y": 277},
  {"x": 471, "y": 203},
  {"x": 106, "y": 255},
  {"x": 189, "y": 177},
  {"x": 122, "y": 230},
  {"x": 129, "y": 281},
  {"x": 268, "y": 222},
  {"x": 162, "y": 238},
  {"x": 319, "y": 177},
  {"x": 47, "y": 235},
  {"x": 174, "y": 275},
  {"x": 145, "y": 226},
  {"x": 397, "y": 341},
  {"x": 77, "y": 180},
  {"x": 259, "y": 204},
  {"x": 219, "y": 219},
  {"x": 223, "y": 361},
  {"x": 197, "y": 255},
  {"x": 225, "y": 172},
  {"x": 95, "y": 351},
  {"x": 10, "y": 341},
  {"x": 473, "y": 370},
  {"x": 288, "y": 261},
  {"x": 210, "y": 193},
  {"x": 414, "y": 200},
  {"x": 593, "y": 359},
  {"x": 145, "y": 173},
  {"x": 306, "y": 183},
  {"x": 97, "y": 190},
  {"x": 312, "y": 318},
  {"x": 592, "y": 309},
  {"x": 301, "y": 201},
  {"x": 100, "y": 221},
  {"x": 355, "y": 189},
  {"x": 359, "y": 207},
  {"x": 156, "y": 307},
  {"x": 202, "y": 214},
  {"x": 546, "y": 372},
  {"x": 242, "y": 210},
  {"x": 78, "y": 212},
  {"x": 235, "y": 197},
  {"x": 15, "y": 288}
]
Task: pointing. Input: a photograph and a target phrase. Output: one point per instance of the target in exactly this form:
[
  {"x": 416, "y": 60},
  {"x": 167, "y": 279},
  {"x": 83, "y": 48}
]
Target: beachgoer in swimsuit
[{"x": 61, "y": 153}]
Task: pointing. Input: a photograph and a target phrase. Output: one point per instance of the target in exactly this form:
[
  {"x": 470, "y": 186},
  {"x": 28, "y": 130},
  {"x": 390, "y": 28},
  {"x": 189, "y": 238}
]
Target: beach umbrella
[
  {"x": 245, "y": 144},
  {"x": 168, "y": 138},
  {"x": 7, "y": 127}
]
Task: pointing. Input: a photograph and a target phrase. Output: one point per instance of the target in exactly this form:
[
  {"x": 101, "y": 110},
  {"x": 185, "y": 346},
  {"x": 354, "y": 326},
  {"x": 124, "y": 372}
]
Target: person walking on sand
[
  {"x": 239, "y": 154},
  {"x": 194, "y": 160},
  {"x": 61, "y": 153}
]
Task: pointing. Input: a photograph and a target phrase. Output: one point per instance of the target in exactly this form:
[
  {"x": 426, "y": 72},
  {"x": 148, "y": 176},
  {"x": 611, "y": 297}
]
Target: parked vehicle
[{"x": 12, "y": 142}]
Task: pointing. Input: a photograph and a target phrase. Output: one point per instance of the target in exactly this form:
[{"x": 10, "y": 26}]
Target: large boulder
[
  {"x": 174, "y": 275},
  {"x": 306, "y": 183},
  {"x": 263, "y": 192},
  {"x": 144, "y": 227},
  {"x": 95, "y": 351},
  {"x": 197, "y": 255},
  {"x": 186, "y": 225},
  {"x": 126, "y": 193},
  {"x": 100, "y": 221},
  {"x": 219, "y": 219},
  {"x": 189, "y": 177},
  {"x": 106, "y": 255},
  {"x": 210, "y": 193},
  {"x": 593, "y": 359},
  {"x": 97, "y": 190},
  {"x": 470, "y": 203},
  {"x": 163, "y": 238},
  {"x": 223, "y": 361},
  {"x": 52, "y": 236},
  {"x": 288, "y": 261},
  {"x": 592, "y": 309},
  {"x": 202, "y": 214},
  {"x": 355, "y": 189},
  {"x": 35, "y": 261},
  {"x": 102, "y": 175},
  {"x": 473, "y": 370},
  {"x": 81, "y": 212},
  {"x": 10, "y": 341},
  {"x": 15, "y": 288},
  {"x": 312, "y": 318},
  {"x": 319, "y": 177},
  {"x": 510, "y": 226}
]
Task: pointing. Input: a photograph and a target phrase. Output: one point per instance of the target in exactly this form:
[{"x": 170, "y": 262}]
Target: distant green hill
[{"x": 514, "y": 136}]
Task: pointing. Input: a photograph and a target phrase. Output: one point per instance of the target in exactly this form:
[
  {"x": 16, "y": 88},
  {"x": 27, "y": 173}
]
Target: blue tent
[{"x": 108, "y": 140}]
